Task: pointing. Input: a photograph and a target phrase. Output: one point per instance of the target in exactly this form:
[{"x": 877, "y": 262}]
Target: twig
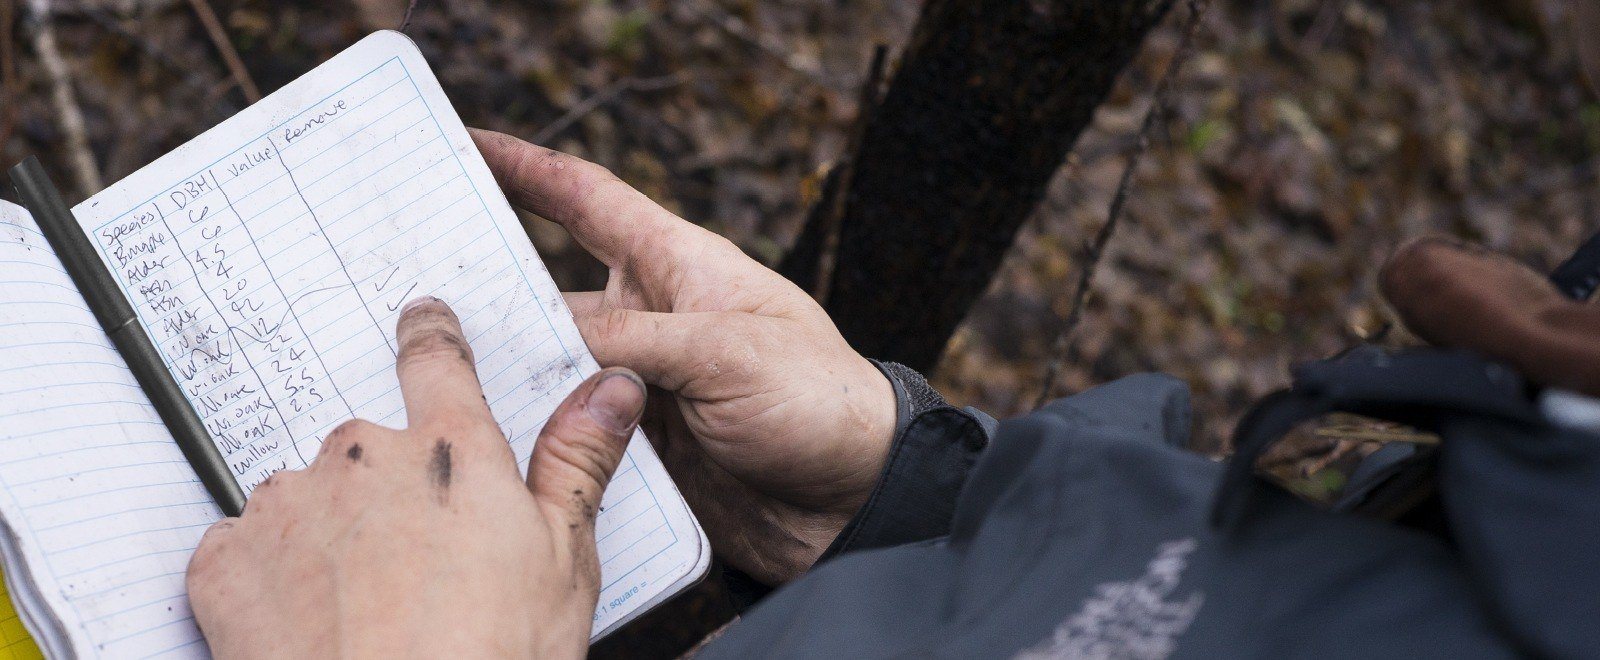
[
  {"x": 411, "y": 8},
  {"x": 735, "y": 27},
  {"x": 1322, "y": 26},
  {"x": 605, "y": 96},
  {"x": 110, "y": 23},
  {"x": 71, "y": 10},
  {"x": 230, "y": 56},
  {"x": 66, "y": 101},
  {"x": 1095, "y": 250},
  {"x": 1585, "y": 15},
  {"x": 185, "y": 70},
  {"x": 837, "y": 188},
  {"x": 8, "y": 73}
]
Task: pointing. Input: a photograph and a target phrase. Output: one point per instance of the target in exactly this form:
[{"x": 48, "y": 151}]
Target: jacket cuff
[{"x": 935, "y": 446}]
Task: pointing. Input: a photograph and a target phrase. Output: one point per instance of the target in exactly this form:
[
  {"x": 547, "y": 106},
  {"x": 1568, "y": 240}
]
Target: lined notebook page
[
  {"x": 105, "y": 510},
  {"x": 268, "y": 259}
]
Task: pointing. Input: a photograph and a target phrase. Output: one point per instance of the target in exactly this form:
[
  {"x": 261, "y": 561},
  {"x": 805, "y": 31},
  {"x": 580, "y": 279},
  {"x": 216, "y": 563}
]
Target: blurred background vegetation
[{"x": 1306, "y": 139}]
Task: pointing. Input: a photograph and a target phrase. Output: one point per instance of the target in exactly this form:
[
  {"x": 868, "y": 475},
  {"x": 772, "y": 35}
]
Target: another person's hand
[
  {"x": 424, "y": 542},
  {"x": 777, "y": 430},
  {"x": 1458, "y": 295}
]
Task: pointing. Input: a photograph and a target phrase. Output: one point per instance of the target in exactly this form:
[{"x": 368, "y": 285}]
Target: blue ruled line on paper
[{"x": 370, "y": 166}]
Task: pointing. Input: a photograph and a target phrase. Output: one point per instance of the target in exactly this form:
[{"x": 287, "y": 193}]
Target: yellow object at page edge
[{"x": 15, "y": 642}]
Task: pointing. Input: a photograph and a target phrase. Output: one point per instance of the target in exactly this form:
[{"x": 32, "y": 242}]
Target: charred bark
[{"x": 989, "y": 98}]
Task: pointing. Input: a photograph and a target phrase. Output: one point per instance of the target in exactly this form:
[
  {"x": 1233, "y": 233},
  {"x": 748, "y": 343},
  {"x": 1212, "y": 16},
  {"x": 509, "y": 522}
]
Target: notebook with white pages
[{"x": 267, "y": 260}]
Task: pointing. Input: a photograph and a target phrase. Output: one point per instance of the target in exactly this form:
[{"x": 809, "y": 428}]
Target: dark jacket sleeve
[
  {"x": 934, "y": 449},
  {"x": 935, "y": 446}
]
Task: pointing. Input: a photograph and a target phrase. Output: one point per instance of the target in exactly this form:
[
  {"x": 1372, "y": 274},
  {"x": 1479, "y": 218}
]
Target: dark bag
[{"x": 1516, "y": 494}]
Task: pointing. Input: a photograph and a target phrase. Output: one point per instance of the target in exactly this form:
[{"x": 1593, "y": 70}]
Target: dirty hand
[
  {"x": 776, "y": 429},
  {"x": 423, "y": 542}
]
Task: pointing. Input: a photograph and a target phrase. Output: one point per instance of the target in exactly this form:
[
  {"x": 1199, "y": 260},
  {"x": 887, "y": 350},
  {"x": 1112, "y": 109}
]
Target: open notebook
[{"x": 268, "y": 259}]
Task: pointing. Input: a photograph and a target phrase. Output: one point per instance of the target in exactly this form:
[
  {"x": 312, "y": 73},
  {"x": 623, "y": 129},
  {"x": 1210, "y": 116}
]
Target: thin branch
[
  {"x": 8, "y": 73},
  {"x": 1322, "y": 26},
  {"x": 837, "y": 188},
  {"x": 735, "y": 27},
  {"x": 411, "y": 8},
  {"x": 605, "y": 96},
  {"x": 230, "y": 56},
  {"x": 1585, "y": 15},
  {"x": 1096, "y": 249},
  {"x": 65, "y": 100},
  {"x": 186, "y": 71},
  {"x": 112, "y": 24}
]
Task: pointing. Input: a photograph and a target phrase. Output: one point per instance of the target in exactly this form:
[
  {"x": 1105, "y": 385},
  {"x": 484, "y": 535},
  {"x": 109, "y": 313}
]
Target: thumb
[
  {"x": 582, "y": 443},
  {"x": 670, "y": 350},
  {"x": 1463, "y": 296},
  {"x": 1460, "y": 295}
]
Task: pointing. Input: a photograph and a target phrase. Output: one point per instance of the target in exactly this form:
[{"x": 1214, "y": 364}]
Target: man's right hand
[{"x": 776, "y": 430}]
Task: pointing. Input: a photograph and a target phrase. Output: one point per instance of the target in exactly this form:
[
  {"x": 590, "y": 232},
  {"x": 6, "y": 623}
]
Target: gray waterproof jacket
[{"x": 1083, "y": 530}]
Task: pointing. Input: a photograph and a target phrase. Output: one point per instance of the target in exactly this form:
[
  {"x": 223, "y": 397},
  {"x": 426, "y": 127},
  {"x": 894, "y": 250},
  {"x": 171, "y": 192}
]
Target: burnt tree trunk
[{"x": 989, "y": 97}]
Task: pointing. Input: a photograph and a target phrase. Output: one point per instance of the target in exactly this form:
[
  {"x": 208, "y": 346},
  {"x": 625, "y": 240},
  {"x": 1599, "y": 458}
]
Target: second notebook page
[{"x": 268, "y": 260}]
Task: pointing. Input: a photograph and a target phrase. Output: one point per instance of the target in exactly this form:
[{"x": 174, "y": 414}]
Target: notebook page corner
[{"x": 268, "y": 260}]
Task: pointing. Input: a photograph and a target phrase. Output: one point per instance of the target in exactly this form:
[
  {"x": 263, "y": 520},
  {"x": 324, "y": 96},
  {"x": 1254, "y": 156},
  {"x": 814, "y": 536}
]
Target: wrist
[
  {"x": 884, "y": 409},
  {"x": 862, "y": 433},
  {"x": 933, "y": 449}
]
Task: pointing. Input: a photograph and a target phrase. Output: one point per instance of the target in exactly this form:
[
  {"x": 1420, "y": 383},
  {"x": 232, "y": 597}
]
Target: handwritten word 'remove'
[{"x": 292, "y": 133}]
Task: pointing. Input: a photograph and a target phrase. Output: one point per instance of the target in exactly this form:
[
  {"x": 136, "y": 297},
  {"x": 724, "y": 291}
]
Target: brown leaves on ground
[{"x": 1308, "y": 138}]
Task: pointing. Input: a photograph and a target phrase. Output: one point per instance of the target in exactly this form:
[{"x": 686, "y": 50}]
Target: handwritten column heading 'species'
[
  {"x": 269, "y": 268},
  {"x": 254, "y": 274}
]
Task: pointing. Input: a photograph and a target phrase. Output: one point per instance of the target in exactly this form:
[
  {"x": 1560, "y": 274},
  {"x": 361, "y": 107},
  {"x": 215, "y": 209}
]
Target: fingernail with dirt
[
  {"x": 617, "y": 401},
  {"x": 415, "y": 303}
]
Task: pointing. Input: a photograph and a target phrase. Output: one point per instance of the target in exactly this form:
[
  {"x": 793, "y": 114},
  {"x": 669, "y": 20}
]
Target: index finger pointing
[
  {"x": 437, "y": 378},
  {"x": 609, "y": 218}
]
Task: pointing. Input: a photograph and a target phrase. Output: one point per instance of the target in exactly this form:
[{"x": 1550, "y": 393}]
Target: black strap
[
  {"x": 1579, "y": 275},
  {"x": 1418, "y": 387},
  {"x": 1262, "y": 427}
]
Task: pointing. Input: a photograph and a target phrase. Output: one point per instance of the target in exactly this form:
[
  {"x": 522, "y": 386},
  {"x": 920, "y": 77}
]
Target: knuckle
[
  {"x": 434, "y": 344},
  {"x": 271, "y": 490},
  {"x": 522, "y": 167},
  {"x": 519, "y": 157},
  {"x": 612, "y": 325},
  {"x": 211, "y": 540},
  {"x": 589, "y": 176},
  {"x": 721, "y": 246},
  {"x": 207, "y": 557},
  {"x": 272, "y": 480},
  {"x": 428, "y": 310},
  {"x": 588, "y": 455},
  {"x": 353, "y": 429},
  {"x": 688, "y": 243},
  {"x": 350, "y": 434},
  {"x": 590, "y": 182},
  {"x": 464, "y": 426},
  {"x": 200, "y": 579},
  {"x": 484, "y": 450}
]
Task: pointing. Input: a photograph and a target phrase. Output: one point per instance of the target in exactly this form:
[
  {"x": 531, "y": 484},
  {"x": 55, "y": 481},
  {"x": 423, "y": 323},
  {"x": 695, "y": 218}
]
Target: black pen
[{"x": 116, "y": 316}]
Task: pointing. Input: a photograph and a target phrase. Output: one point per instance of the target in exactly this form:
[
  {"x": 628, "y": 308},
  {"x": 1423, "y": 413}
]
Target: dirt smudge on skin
[{"x": 439, "y": 470}]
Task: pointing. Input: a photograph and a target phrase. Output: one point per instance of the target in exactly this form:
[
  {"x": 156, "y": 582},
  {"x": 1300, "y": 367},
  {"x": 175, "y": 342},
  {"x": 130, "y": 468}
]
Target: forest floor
[{"x": 1307, "y": 139}]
